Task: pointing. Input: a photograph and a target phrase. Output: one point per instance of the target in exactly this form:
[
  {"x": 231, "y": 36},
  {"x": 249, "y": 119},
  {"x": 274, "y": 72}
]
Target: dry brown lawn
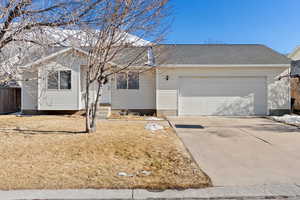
[{"x": 52, "y": 152}]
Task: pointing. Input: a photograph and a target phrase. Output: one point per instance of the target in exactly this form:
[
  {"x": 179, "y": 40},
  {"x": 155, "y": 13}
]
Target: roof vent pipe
[{"x": 151, "y": 59}]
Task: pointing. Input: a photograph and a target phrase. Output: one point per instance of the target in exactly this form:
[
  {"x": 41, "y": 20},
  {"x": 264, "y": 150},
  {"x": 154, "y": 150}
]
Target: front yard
[{"x": 52, "y": 152}]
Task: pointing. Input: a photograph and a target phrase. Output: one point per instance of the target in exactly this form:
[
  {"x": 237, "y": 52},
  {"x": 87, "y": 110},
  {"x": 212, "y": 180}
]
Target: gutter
[{"x": 221, "y": 65}]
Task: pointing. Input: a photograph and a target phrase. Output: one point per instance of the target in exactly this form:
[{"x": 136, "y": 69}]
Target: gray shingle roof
[
  {"x": 220, "y": 54},
  {"x": 191, "y": 54}
]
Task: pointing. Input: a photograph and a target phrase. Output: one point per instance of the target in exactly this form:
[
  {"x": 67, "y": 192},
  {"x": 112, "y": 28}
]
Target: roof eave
[{"x": 224, "y": 65}]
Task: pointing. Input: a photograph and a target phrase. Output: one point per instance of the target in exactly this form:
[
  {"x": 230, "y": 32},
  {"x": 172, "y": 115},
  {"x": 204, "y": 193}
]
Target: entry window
[
  {"x": 122, "y": 80},
  {"x": 59, "y": 80},
  {"x": 128, "y": 80}
]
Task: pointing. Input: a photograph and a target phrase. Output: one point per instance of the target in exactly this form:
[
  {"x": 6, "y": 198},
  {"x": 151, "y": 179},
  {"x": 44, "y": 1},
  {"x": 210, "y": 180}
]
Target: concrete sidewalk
[{"x": 231, "y": 192}]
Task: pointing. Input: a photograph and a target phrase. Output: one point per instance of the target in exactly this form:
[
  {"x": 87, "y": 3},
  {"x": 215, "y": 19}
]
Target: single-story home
[{"x": 190, "y": 79}]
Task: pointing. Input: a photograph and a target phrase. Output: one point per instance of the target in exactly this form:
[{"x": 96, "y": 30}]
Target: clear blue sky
[{"x": 275, "y": 23}]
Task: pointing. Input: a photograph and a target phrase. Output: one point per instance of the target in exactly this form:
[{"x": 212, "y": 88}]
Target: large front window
[
  {"x": 59, "y": 80},
  {"x": 128, "y": 80}
]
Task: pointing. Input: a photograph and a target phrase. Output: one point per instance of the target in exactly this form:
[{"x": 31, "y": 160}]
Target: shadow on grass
[{"x": 46, "y": 132}]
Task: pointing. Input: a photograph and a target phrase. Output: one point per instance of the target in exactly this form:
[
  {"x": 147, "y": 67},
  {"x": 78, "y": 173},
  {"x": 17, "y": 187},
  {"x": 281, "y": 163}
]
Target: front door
[{"x": 106, "y": 94}]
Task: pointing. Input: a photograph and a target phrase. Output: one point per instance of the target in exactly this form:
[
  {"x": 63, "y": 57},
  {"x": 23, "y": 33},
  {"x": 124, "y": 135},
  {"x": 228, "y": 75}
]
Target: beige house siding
[
  {"x": 29, "y": 92},
  {"x": 35, "y": 95},
  {"x": 278, "y": 94},
  {"x": 143, "y": 98}
]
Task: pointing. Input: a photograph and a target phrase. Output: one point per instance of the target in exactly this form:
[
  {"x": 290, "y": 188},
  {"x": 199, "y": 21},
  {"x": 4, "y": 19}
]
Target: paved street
[{"x": 242, "y": 151}]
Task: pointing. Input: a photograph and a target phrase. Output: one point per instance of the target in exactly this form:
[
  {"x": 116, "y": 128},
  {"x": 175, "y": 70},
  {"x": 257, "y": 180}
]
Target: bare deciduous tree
[
  {"x": 28, "y": 23},
  {"x": 111, "y": 50},
  {"x": 111, "y": 32}
]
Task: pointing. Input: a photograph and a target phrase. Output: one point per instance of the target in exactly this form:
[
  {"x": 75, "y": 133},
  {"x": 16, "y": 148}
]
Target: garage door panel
[{"x": 222, "y": 96}]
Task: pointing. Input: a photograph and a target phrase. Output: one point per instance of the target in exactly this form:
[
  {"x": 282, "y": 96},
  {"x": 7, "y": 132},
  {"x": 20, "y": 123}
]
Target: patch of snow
[
  {"x": 289, "y": 119},
  {"x": 146, "y": 173},
  {"x": 124, "y": 174},
  {"x": 153, "y": 127},
  {"x": 154, "y": 119}
]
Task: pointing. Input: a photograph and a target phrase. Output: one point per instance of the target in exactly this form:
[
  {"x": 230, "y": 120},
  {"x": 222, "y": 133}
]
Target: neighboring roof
[
  {"x": 221, "y": 54},
  {"x": 293, "y": 53}
]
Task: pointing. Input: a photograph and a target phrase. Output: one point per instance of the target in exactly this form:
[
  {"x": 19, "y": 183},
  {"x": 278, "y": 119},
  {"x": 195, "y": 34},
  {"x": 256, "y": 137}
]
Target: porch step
[{"x": 104, "y": 112}]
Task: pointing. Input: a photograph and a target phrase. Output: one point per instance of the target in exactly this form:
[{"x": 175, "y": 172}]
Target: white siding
[
  {"x": 278, "y": 93},
  {"x": 143, "y": 98},
  {"x": 29, "y": 91},
  {"x": 35, "y": 95},
  {"x": 59, "y": 99}
]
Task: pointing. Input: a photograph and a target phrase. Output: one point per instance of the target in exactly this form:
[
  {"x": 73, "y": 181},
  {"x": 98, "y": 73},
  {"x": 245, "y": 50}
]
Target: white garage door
[{"x": 222, "y": 96}]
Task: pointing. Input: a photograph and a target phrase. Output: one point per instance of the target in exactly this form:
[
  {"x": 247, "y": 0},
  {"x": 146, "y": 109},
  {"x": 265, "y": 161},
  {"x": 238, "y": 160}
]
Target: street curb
[{"x": 276, "y": 191}]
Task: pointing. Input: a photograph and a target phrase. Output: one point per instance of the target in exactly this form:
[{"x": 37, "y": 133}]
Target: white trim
[
  {"x": 78, "y": 87},
  {"x": 223, "y": 65}
]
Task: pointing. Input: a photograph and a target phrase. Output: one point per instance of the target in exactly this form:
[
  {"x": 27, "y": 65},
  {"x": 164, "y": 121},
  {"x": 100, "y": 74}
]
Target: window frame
[
  {"x": 58, "y": 79},
  {"x": 127, "y": 80}
]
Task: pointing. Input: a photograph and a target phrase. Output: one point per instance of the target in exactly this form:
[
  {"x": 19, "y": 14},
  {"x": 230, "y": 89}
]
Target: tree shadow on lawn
[{"x": 46, "y": 132}]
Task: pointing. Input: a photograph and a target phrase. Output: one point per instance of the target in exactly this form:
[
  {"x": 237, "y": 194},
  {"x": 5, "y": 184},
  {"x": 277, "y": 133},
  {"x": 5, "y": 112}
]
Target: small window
[
  {"x": 65, "y": 80},
  {"x": 59, "y": 80},
  {"x": 133, "y": 80},
  {"x": 53, "y": 80},
  {"x": 122, "y": 80},
  {"x": 128, "y": 80}
]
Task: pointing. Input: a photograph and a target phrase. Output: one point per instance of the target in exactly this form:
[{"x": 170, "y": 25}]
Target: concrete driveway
[{"x": 242, "y": 151}]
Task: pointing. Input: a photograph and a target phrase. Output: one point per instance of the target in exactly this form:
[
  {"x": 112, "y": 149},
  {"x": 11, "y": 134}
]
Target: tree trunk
[
  {"x": 95, "y": 107},
  {"x": 91, "y": 110},
  {"x": 87, "y": 104}
]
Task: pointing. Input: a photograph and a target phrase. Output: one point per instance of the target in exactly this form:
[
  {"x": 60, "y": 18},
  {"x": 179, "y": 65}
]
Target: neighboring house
[
  {"x": 295, "y": 82},
  {"x": 187, "y": 80}
]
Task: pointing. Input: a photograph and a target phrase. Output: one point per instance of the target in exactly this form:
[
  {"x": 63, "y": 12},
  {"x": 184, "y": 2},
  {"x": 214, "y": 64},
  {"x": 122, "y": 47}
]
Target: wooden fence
[{"x": 10, "y": 100}]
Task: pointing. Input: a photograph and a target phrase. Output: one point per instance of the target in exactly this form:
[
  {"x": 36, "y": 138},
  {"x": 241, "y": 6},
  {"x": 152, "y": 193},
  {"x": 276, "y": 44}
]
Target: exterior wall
[
  {"x": 29, "y": 91},
  {"x": 278, "y": 94},
  {"x": 93, "y": 88},
  {"x": 143, "y": 98},
  {"x": 35, "y": 95},
  {"x": 295, "y": 93},
  {"x": 295, "y": 55},
  {"x": 295, "y": 84}
]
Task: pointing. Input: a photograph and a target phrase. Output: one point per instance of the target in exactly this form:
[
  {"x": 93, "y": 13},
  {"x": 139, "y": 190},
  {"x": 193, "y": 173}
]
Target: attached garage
[
  {"x": 226, "y": 80},
  {"x": 222, "y": 96}
]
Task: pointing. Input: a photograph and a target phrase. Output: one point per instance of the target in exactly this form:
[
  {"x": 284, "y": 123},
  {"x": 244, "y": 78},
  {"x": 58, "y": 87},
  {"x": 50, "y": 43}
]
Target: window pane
[
  {"x": 122, "y": 80},
  {"x": 65, "y": 79},
  {"x": 133, "y": 80},
  {"x": 52, "y": 80}
]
